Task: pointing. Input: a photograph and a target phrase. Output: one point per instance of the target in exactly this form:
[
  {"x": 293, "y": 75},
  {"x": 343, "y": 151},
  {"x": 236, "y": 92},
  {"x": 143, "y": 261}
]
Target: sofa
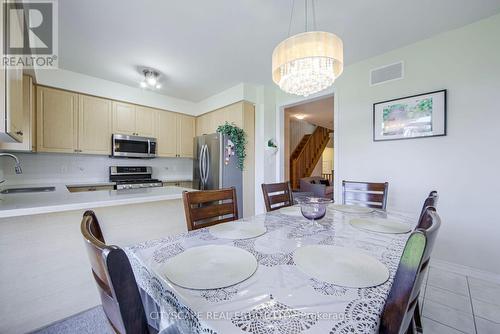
[{"x": 317, "y": 185}]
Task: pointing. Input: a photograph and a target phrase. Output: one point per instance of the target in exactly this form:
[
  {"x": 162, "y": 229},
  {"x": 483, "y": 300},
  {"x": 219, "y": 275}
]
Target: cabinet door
[
  {"x": 185, "y": 134},
  {"x": 167, "y": 134},
  {"x": 14, "y": 106},
  {"x": 123, "y": 118},
  {"x": 28, "y": 120},
  {"x": 56, "y": 120},
  {"x": 145, "y": 121},
  {"x": 94, "y": 125},
  {"x": 14, "y": 116}
]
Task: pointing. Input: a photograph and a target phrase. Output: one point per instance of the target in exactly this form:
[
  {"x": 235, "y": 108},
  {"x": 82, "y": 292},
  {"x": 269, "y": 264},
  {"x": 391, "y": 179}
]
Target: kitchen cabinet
[
  {"x": 175, "y": 135},
  {"x": 57, "y": 120},
  {"x": 123, "y": 118},
  {"x": 183, "y": 184},
  {"x": 145, "y": 121},
  {"x": 185, "y": 134},
  {"x": 11, "y": 94},
  {"x": 29, "y": 122},
  {"x": 94, "y": 125},
  {"x": 167, "y": 134},
  {"x": 133, "y": 120}
]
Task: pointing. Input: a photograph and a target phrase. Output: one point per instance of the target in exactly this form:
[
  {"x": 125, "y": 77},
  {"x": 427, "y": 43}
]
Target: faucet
[{"x": 17, "y": 167}]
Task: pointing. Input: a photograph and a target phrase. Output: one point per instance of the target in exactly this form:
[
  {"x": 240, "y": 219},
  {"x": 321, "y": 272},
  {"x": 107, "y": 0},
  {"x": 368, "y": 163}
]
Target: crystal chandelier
[{"x": 308, "y": 62}]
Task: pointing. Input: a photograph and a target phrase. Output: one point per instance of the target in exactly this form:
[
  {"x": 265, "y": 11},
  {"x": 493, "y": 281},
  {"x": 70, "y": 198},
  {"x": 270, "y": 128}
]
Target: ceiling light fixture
[
  {"x": 308, "y": 62},
  {"x": 300, "y": 116},
  {"x": 150, "y": 79}
]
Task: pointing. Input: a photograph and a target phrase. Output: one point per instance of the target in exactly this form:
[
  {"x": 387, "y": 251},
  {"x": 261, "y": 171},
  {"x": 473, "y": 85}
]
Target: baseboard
[{"x": 464, "y": 270}]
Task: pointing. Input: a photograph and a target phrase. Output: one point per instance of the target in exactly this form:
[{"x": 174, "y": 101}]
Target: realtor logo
[{"x": 29, "y": 34}]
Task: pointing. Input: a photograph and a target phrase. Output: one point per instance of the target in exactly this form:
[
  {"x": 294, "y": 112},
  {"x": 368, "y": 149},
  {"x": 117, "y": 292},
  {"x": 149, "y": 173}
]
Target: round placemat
[
  {"x": 351, "y": 208},
  {"x": 210, "y": 267},
  {"x": 347, "y": 267},
  {"x": 380, "y": 225},
  {"x": 238, "y": 230}
]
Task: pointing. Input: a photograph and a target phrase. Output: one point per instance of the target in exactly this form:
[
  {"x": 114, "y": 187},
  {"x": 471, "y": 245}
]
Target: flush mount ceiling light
[
  {"x": 308, "y": 62},
  {"x": 150, "y": 79},
  {"x": 300, "y": 116}
]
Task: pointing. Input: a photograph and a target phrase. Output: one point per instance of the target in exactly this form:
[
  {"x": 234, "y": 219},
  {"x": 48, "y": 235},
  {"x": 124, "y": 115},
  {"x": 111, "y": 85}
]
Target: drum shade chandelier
[{"x": 308, "y": 62}]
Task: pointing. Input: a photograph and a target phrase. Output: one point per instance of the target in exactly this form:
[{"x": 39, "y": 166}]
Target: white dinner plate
[
  {"x": 238, "y": 230},
  {"x": 380, "y": 225},
  {"x": 210, "y": 267},
  {"x": 351, "y": 208},
  {"x": 341, "y": 266},
  {"x": 291, "y": 211}
]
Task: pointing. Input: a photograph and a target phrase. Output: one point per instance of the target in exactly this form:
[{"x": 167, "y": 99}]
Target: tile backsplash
[{"x": 64, "y": 168}]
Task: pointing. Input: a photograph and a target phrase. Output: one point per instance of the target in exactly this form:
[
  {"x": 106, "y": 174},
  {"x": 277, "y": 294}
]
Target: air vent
[{"x": 386, "y": 73}]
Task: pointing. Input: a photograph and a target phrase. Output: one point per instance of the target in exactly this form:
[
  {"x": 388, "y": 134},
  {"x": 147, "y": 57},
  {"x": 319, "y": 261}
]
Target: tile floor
[{"x": 452, "y": 304}]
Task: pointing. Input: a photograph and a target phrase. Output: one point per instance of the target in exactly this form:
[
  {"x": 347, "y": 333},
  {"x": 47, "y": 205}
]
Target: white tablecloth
[{"x": 278, "y": 298}]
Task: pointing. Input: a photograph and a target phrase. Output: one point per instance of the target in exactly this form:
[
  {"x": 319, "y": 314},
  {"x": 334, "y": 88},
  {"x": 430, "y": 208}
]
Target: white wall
[
  {"x": 71, "y": 168},
  {"x": 99, "y": 87},
  {"x": 464, "y": 166}
]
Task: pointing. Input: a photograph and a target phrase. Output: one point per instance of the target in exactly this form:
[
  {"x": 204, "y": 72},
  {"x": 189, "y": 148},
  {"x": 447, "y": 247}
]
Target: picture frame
[{"x": 410, "y": 117}]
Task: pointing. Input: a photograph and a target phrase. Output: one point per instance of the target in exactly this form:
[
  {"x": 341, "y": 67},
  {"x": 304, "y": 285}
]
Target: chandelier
[{"x": 308, "y": 62}]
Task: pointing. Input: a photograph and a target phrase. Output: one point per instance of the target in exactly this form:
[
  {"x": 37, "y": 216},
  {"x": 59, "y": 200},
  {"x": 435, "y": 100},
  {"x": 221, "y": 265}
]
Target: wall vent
[{"x": 386, "y": 73}]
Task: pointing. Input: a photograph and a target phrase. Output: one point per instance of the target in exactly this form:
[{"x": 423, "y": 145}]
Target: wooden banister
[{"x": 307, "y": 154}]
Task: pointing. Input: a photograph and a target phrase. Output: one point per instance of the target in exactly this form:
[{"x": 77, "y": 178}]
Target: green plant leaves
[{"x": 238, "y": 137}]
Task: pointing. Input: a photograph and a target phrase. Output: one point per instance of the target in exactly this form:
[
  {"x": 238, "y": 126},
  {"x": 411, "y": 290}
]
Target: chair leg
[{"x": 418, "y": 319}]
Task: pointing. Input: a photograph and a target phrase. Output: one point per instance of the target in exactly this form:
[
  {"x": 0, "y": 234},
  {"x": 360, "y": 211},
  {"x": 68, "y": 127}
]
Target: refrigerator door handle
[
  {"x": 207, "y": 166},
  {"x": 200, "y": 165},
  {"x": 204, "y": 165}
]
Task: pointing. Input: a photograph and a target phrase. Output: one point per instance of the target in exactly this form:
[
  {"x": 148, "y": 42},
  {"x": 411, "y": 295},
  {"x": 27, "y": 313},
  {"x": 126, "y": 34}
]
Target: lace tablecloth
[{"x": 278, "y": 298}]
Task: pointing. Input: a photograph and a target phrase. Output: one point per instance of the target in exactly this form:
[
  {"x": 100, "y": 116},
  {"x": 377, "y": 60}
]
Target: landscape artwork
[{"x": 422, "y": 115}]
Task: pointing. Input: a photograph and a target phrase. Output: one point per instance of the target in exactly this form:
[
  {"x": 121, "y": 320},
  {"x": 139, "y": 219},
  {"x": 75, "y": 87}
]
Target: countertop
[{"x": 12, "y": 205}]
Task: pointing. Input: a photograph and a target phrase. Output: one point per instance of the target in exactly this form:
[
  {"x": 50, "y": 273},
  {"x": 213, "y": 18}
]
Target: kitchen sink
[{"x": 27, "y": 190}]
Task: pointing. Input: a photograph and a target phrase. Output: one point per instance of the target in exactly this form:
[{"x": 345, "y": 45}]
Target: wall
[
  {"x": 463, "y": 166},
  {"x": 327, "y": 158},
  {"x": 63, "y": 168},
  {"x": 99, "y": 87}
]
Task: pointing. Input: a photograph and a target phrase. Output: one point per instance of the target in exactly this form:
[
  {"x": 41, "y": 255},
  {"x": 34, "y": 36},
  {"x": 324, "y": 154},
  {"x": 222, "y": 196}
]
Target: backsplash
[{"x": 70, "y": 168}]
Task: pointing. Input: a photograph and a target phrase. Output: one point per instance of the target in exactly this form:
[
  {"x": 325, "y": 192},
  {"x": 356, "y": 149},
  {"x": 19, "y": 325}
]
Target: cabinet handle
[{"x": 20, "y": 133}]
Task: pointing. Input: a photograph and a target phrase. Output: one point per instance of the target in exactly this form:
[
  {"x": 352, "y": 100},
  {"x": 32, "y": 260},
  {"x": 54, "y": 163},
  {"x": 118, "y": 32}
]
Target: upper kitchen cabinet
[
  {"x": 57, "y": 120},
  {"x": 133, "y": 120},
  {"x": 94, "y": 125},
  {"x": 29, "y": 121},
  {"x": 123, "y": 118},
  {"x": 185, "y": 134},
  {"x": 11, "y": 95},
  {"x": 175, "y": 135},
  {"x": 167, "y": 134}
]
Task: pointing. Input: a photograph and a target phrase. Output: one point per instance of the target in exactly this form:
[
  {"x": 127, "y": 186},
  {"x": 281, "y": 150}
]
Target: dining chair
[
  {"x": 399, "y": 313},
  {"x": 277, "y": 195},
  {"x": 372, "y": 195},
  {"x": 430, "y": 202},
  {"x": 209, "y": 207},
  {"x": 115, "y": 281}
]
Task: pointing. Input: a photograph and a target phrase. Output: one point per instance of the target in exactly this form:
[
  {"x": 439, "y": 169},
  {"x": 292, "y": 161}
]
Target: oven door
[{"x": 133, "y": 146}]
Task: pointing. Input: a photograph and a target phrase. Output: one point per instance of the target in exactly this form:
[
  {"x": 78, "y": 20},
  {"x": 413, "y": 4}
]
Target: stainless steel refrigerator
[{"x": 214, "y": 168}]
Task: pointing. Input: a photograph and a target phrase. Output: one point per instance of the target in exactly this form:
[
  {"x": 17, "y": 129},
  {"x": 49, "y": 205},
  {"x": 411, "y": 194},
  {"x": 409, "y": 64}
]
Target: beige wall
[{"x": 327, "y": 158}]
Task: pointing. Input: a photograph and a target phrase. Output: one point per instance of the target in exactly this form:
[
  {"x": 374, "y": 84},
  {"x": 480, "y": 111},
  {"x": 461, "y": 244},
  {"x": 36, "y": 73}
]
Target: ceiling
[
  {"x": 203, "y": 47},
  {"x": 318, "y": 112}
]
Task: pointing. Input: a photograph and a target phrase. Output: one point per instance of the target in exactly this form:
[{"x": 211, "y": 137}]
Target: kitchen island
[{"x": 45, "y": 270}]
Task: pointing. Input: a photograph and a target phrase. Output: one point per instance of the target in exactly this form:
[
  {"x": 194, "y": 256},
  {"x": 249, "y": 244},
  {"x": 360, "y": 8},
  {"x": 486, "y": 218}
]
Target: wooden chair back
[
  {"x": 277, "y": 195},
  {"x": 115, "y": 280},
  {"x": 430, "y": 202},
  {"x": 399, "y": 309},
  {"x": 209, "y": 207},
  {"x": 372, "y": 195}
]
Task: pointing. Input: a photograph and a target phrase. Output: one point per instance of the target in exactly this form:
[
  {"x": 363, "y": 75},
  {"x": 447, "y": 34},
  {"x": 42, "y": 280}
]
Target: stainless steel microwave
[{"x": 133, "y": 146}]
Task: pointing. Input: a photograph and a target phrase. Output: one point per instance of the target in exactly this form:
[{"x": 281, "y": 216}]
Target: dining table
[{"x": 278, "y": 297}]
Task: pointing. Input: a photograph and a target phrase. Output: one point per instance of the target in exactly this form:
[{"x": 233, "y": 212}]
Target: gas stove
[{"x": 132, "y": 177}]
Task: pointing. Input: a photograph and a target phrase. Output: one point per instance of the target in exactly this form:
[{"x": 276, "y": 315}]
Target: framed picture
[{"x": 416, "y": 116}]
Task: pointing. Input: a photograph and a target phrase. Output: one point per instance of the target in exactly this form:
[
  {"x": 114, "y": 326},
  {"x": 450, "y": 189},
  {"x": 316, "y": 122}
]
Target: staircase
[{"x": 307, "y": 154}]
